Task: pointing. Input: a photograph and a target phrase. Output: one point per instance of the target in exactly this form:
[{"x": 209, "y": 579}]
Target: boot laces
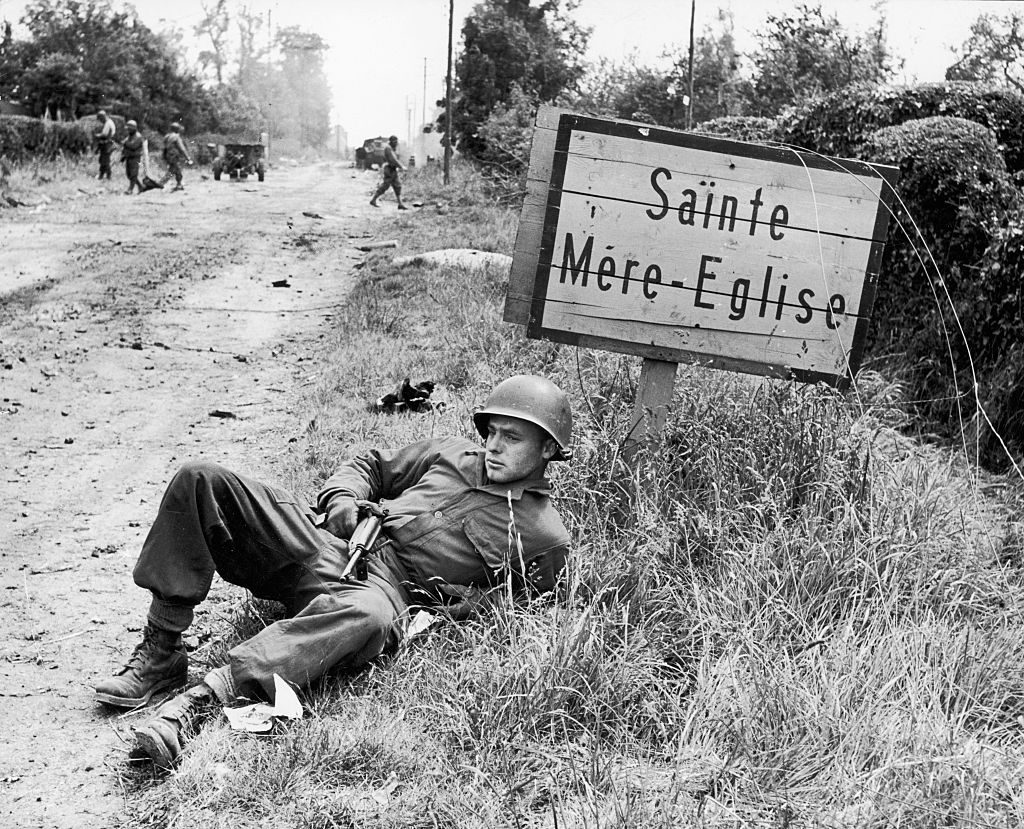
[
  {"x": 145, "y": 651},
  {"x": 187, "y": 710}
]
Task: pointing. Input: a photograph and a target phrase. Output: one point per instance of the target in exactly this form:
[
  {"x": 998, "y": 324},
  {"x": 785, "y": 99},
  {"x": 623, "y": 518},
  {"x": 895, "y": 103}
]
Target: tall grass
[
  {"x": 37, "y": 181},
  {"x": 783, "y": 613}
]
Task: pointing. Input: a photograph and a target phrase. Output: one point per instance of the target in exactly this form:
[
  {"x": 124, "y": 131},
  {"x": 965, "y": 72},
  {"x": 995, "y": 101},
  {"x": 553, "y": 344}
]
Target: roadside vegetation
[
  {"x": 36, "y": 181},
  {"x": 787, "y": 612}
]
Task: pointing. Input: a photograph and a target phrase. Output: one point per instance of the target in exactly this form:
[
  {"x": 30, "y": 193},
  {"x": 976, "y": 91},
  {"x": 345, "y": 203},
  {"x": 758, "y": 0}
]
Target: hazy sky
[{"x": 378, "y": 47}]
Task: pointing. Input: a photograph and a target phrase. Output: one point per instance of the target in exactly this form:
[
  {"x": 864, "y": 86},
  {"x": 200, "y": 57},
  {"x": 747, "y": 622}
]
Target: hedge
[
  {"x": 22, "y": 136},
  {"x": 741, "y": 128},
  {"x": 839, "y": 124},
  {"x": 999, "y": 334},
  {"x": 955, "y": 185}
]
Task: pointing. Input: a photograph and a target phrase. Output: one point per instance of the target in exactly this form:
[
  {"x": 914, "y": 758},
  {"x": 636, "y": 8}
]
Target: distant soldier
[
  {"x": 131, "y": 155},
  {"x": 174, "y": 154},
  {"x": 391, "y": 167},
  {"x": 104, "y": 143}
]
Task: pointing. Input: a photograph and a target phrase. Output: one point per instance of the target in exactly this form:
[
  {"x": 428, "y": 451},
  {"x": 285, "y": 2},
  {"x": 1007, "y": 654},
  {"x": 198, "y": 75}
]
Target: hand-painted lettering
[
  {"x": 650, "y": 280},
  {"x": 780, "y": 218},
  {"x": 659, "y": 171},
  {"x": 576, "y": 266},
  {"x": 630, "y": 264},
  {"x": 605, "y": 268},
  {"x": 836, "y": 307},
  {"x": 704, "y": 275}
]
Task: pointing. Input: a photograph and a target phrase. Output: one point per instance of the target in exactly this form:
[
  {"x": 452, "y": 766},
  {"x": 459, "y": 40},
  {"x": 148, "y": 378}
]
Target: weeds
[
  {"x": 784, "y": 613},
  {"x": 37, "y": 181}
]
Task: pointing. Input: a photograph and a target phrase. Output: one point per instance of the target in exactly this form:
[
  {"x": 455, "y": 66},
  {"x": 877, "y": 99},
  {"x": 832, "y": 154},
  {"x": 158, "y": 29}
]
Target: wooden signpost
[{"x": 683, "y": 248}]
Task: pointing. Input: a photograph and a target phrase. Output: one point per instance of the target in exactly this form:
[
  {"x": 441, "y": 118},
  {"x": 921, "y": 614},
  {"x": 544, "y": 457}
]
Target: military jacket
[{"x": 449, "y": 524}]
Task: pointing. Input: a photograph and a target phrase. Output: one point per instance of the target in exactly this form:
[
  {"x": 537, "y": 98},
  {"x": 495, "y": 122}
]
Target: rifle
[{"x": 361, "y": 543}]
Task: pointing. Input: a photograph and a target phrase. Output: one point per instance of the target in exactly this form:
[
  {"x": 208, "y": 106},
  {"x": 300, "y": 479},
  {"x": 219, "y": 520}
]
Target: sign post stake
[{"x": 653, "y": 397}]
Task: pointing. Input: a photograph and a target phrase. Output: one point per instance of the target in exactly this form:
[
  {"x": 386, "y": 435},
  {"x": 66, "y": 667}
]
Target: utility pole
[
  {"x": 448, "y": 98},
  {"x": 689, "y": 102},
  {"x": 270, "y": 71}
]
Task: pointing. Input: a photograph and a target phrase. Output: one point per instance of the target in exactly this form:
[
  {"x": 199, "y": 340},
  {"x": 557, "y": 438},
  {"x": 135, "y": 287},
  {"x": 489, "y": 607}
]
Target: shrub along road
[{"x": 137, "y": 333}]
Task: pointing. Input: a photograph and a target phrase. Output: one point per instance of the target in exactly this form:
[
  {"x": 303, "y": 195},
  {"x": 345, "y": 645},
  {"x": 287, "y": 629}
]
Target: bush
[
  {"x": 954, "y": 185},
  {"x": 68, "y": 137},
  {"x": 999, "y": 335},
  {"x": 21, "y": 137},
  {"x": 741, "y": 128},
  {"x": 839, "y": 124},
  {"x": 506, "y": 136}
]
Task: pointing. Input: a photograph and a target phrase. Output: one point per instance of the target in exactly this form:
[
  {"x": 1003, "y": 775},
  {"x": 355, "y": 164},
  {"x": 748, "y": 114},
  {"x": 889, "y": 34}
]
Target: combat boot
[
  {"x": 158, "y": 663},
  {"x": 177, "y": 720}
]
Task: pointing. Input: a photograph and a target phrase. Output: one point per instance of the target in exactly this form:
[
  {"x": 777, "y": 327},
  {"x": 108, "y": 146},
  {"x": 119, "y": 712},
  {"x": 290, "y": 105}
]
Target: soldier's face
[{"x": 515, "y": 449}]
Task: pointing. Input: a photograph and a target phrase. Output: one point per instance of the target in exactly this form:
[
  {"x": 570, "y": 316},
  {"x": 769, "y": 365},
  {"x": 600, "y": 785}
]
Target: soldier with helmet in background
[
  {"x": 132, "y": 148},
  {"x": 104, "y": 143},
  {"x": 175, "y": 153},
  {"x": 445, "y": 540},
  {"x": 390, "y": 174}
]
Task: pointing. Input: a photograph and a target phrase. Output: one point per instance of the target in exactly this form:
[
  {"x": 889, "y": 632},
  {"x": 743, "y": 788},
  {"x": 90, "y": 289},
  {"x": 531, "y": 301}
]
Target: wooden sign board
[{"x": 685, "y": 248}]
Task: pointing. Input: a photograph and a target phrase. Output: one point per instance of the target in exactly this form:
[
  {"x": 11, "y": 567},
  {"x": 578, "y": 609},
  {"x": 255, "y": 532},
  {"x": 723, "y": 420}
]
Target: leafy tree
[
  {"x": 251, "y": 54},
  {"x": 52, "y": 85},
  {"x": 806, "y": 54},
  {"x": 10, "y": 62},
  {"x": 719, "y": 90},
  {"x": 509, "y": 44},
  {"x": 628, "y": 89},
  {"x": 236, "y": 112},
  {"x": 304, "y": 97},
  {"x": 215, "y": 25},
  {"x": 993, "y": 52},
  {"x": 112, "y": 58},
  {"x": 637, "y": 92}
]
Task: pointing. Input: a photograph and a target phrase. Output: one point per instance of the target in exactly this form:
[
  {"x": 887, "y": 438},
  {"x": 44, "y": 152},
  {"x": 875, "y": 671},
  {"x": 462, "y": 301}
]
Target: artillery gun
[{"x": 239, "y": 161}]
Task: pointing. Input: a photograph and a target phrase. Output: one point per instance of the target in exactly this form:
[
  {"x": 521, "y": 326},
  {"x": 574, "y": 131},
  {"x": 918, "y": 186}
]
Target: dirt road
[{"x": 136, "y": 333}]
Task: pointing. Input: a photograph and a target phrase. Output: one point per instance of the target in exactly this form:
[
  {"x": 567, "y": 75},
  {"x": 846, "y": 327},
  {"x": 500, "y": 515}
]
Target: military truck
[{"x": 372, "y": 152}]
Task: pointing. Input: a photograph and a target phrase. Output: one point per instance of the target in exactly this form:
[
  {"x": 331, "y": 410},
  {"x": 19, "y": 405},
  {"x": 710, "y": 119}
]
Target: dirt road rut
[{"x": 136, "y": 333}]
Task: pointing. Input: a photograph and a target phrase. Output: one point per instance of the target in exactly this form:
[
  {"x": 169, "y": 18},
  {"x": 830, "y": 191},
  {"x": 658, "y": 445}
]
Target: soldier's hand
[
  {"x": 342, "y": 517},
  {"x": 468, "y": 603}
]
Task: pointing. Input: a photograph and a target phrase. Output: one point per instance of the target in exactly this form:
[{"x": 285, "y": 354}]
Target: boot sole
[
  {"x": 135, "y": 702},
  {"x": 148, "y": 745}
]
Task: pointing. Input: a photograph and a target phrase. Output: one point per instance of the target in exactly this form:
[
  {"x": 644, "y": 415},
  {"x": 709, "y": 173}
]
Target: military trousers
[
  {"x": 212, "y": 520},
  {"x": 173, "y": 171}
]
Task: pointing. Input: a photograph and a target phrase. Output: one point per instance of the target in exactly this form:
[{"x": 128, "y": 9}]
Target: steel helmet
[
  {"x": 131, "y": 123},
  {"x": 534, "y": 399},
  {"x": 177, "y": 127}
]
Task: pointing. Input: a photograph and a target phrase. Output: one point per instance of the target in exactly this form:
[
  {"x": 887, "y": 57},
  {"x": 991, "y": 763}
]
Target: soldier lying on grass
[{"x": 446, "y": 535}]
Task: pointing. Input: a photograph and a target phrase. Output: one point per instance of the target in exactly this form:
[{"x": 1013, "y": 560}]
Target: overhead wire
[{"x": 932, "y": 276}]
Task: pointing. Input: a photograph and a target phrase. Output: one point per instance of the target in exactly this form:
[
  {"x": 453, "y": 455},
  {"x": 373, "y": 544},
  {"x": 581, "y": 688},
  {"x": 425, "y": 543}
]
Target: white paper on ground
[
  {"x": 420, "y": 622},
  {"x": 259, "y": 717}
]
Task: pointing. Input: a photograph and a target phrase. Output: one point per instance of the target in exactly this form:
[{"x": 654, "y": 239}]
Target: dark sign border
[{"x": 569, "y": 122}]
